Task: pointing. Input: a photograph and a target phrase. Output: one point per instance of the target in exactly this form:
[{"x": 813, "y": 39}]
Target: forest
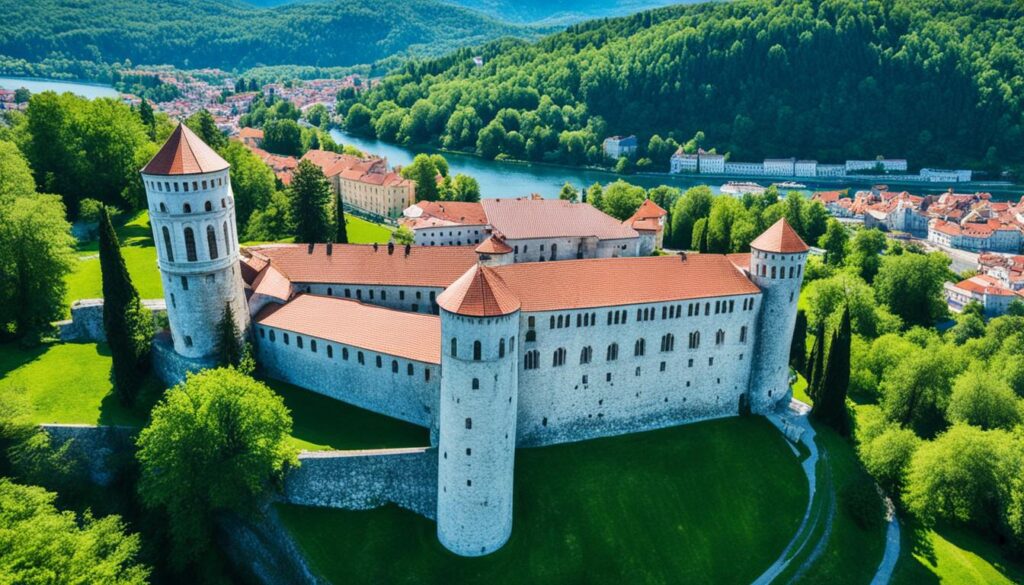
[
  {"x": 938, "y": 83},
  {"x": 232, "y": 35}
]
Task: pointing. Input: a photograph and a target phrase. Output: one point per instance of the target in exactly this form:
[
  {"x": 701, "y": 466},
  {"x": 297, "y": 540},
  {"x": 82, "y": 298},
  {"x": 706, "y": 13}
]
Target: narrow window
[
  {"x": 380, "y": 362},
  {"x": 211, "y": 240},
  {"x": 330, "y": 351},
  {"x": 501, "y": 347},
  {"x": 455, "y": 347},
  {"x": 298, "y": 341},
  {"x": 184, "y": 283},
  {"x": 469, "y": 423},
  {"x": 312, "y": 345},
  {"x": 394, "y": 366},
  {"x": 476, "y": 383},
  {"x": 168, "y": 248},
  {"x": 409, "y": 369},
  {"x": 190, "y": 245},
  {"x": 477, "y": 350},
  {"x": 208, "y": 206},
  {"x": 227, "y": 239}
]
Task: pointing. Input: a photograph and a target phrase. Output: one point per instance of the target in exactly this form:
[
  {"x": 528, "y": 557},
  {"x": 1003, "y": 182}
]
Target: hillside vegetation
[
  {"x": 560, "y": 11},
  {"x": 940, "y": 83},
  {"x": 235, "y": 35}
]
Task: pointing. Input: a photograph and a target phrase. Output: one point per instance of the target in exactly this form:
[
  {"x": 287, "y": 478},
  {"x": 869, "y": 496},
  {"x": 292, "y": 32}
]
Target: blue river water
[{"x": 88, "y": 90}]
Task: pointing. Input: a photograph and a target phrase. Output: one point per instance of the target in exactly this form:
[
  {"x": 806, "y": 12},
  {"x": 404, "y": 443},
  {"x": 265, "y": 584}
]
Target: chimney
[
  {"x": 375, "y": 246},
  {"x": 309, "y": 249},
  {"x": 408, "y": 249},
  {"x": 330, "y": 247},
  {"x": 682, "y": 256},
  {"x": 391, "y": 248}
]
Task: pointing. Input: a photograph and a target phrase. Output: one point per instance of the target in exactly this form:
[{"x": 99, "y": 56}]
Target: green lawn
[
  {"x": 140, "y": 256},
  {"x": 65, "y": 383},
  {"x": 800, "y": 390},
  {"x": 951, "y": 555},
  {"x": 714, "y": 502},
  {"x": 322, "y": 423}
]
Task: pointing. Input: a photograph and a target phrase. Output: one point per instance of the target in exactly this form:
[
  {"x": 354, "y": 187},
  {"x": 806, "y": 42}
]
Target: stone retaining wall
[
  {"x": 170, "y": 366},
  {"x": 86, "y": 323},
  {"x": 360, "y": 480},
  {"x": 95, "y": 447}
]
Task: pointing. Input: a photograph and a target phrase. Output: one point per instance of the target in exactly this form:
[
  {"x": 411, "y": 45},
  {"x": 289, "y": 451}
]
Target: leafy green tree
[
  {"x": 968, "y": 326},
  {"x": 283, "y": 137},
  {"x": 825, "y": 298},
  {"x": 798, "y": 347},
  {"x": 318, "y": 116},
  {"x": 726, "y": 212},
  {"x": 215, "y": 444},
  {"x": 15, "y": 175},
  {"x": 830, "y": 402},
  {"x": 964, "y": 476},
  {"x": 1015, "y": 309},
  {"x": 982, "y": 399},
  {"x": 888, "y": 456},
  {"x": 340, "y": 222},
  {"x": 22, "y": 95},
  {"x": 864, "y": 253},
  {"x": 911, "y": 285},
  {"x": 41, "y": 544},
  {"x": 595, "y": 196},
  {"x": 815, "y": 220},
  {"x": 423, "y": 171},
  {"x": 464, "y": 188},
  {"x": 36, "y": 254},
  {"x": 568, "y": 193},
  {"x": 491, "y": 140},
  {"x": 694, "y": 204},
  {"x": 621, "y": 200},
  {"x": 127, "y": 324},
  {"x": 148, "y": 118},
  {"x": 273, "y": 222},
  {"x": 624, "y": 166},
  {"x": 816, "y": 363},
  {"x": 834, "y": 242},
  {"x": 917, "y": 393},
  {"x": 359, "y": 119},
  {"x": 700, "y": 236},
  {"x": 205, "y": 127},
  {"x": 252, "y": 181},
  {"x": 309, "y": 197},
  {"x": 403, "y": 236}
]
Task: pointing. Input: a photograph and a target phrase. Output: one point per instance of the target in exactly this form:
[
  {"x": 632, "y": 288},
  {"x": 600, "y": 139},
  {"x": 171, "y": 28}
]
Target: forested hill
[
  {"x": 231, "y": 34},
  {"x": 938, "y": 82},
  {"x": 560, "y": 11}
]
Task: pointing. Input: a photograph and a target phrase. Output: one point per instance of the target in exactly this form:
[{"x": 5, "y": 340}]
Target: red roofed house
[
  {"x": 487, "y": 354},
  {"x": 365, "y": 183},
  {"x": 984, "y": 289},
  {"x": 649, "y": 222}
]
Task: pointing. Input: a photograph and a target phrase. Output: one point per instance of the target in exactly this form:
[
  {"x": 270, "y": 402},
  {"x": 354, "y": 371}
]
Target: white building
[
  {"x": 744, "y": 168},
  {"x": 505, "y": 356},
  {"x": 805, "y": 168},
  {"x": 785, "y": 167},
  {"x": 885, "y": 165},
  {"x": 831, "y": 170},
  {"x": 711, "y": 164},
  {"x": 984, "y": 289},
  {"x": 684, "y": 163},
  {"x": 619, "y": 146},
  {"x": 946, "y": 175}
]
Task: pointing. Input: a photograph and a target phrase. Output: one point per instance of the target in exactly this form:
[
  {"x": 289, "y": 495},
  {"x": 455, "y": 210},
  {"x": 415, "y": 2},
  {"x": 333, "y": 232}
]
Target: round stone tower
[
  {"x": 479, "y": 396},
  {"x": 777, "y": 259},
  {"x": 192, "y": 212}
]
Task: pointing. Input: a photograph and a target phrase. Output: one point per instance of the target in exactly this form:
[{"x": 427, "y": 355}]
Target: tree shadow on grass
[
  {"x": 13, "y": 356},
  {"x": 112, "y": 412},
  {"x": 985, "y": 546}
]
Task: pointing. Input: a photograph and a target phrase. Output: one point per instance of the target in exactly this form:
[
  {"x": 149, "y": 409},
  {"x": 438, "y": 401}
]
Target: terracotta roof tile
[
  {"x": 431, "y": 266},
  {"x": 518, "y": 219},
  {"x": 184, "y": 153},
  {"x": 607, "y": 282},
  {"x": 780, "y": 238},
  {"x": 413, "y": 336},
  {"x": 480, "y": 292},
  {"x": 456, "y": 212},
  {"x": 647, "y": 217},
  {"x": 493, "y": 245}
]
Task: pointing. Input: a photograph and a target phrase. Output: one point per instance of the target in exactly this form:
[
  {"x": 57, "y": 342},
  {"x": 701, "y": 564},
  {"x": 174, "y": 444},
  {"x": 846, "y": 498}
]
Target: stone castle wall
[
  {"x": 95, "y": 448},
  {"x": 86, "y": 323},
  {"x": 170, "y": 366},
  {"x": 361, "y": 480}
]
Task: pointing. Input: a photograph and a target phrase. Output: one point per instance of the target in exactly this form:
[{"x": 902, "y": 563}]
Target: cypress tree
[
  {"x": 229, "y": 344},
  {"x": 798, "y": 348},
  {"x": 700, "y": 235},
  {"x": 148, "y": 118},
  {"x": 341, "y": 236},
  {"x": 830, "y": 407},
  {"x": 817, "y": 360},
  {"x": 128, "y": 326},
  {"x": 309, "y": 199}
]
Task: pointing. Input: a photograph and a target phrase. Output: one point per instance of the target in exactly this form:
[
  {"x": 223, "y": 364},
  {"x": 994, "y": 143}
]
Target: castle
[{"x": 487, "y": 353}]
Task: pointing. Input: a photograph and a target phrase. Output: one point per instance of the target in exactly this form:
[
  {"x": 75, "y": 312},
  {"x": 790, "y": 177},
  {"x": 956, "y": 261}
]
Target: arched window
[
  {"x": 558, "y": 359},
  {"x": 208, "y": 206},
  {"x": 501, "y": 347},
  {"x": 211, "y": 240},
  {"x": 186, "y": 208},
  {"x": 531, "y": 361},
  {"x": 613, "y": 352},
  {"x": 168, "y": 248},
  {"x": 719, "y": 337},
  {"x": 312, "y": 345},
  {"x": 477, "y": 351},
  {"x": 409, "y": 369},
  {"x": 668, "y": 342},
  {"x": 163, "y": 208},
  {"x": 227, "y": 239},
  {"x": 639, "y": 347},
  {"x": 455, "y": 347},
  {"x": 330, "y": 351},
  {"x": 743, "y": 334},
  {"x": 190, "y": 245},
  {"x": 694, "y": 340},
  {"x": 394, "y": 366},
  {"x": 586, "y": 354},
  {"x": 773, "y": 272},
  {"x": 476, "y": 383}
]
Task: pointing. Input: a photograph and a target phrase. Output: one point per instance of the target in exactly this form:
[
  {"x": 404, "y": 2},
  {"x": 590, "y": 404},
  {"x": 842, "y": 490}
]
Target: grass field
[
  {"x": 140, "y": 257},
  {"x": 65, "y": 383},
  {"x": 951, "y": 555},
  {"x": 714, "y": 502},
  {"x": 319, "y": 423}
]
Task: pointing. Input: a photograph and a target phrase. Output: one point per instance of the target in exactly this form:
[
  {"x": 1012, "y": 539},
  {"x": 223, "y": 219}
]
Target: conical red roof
[
  {"x": 184, "y": 153},
  {"x": 780, "y": 238},
  {"x": 493, "y": 245},
  {"x": 480, "y": 292}
]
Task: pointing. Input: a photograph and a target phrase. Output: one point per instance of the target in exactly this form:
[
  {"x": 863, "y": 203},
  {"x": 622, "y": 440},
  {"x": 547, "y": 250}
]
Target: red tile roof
[
  {"x": 986, "y": 285},
  {"x": 184, "y": 153},
  {"x": 430, "y": 266},
  {"x": 780, "y": 238},
  {"x": 413, "y": 336},
  {"x": 608, "y": 282},
  {"x": 647, "y": 217},
  {"x": 480, "y": 292},
  {"x": 493, "y": 245},
  {"x": 740, "y": 260},
  {"x": 458, "y": 212},
  {"x": 250, "y": 133},
  {"x": 518, "y": 219}
]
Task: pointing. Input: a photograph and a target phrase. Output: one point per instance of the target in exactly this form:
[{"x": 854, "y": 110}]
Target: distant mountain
[
  {"x": 232, "y": 34},
  {"x": 559, "y": 11}
]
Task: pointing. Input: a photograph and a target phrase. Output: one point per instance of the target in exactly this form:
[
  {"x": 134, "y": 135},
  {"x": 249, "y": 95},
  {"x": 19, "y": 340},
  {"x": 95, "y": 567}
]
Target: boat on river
[{"x": 738, "y": 188}]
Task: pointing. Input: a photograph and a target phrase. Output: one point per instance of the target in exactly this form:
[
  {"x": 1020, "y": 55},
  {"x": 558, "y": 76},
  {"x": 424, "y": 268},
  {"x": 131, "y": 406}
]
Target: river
[
  {"x": 88, "y": 90},
  {"x": 517, "y": 179}
]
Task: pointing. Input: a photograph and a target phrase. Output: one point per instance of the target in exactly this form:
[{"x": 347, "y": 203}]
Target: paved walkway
[
  {"x": 794, "y": 425},
  {"x": 892, "y": 547}
]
